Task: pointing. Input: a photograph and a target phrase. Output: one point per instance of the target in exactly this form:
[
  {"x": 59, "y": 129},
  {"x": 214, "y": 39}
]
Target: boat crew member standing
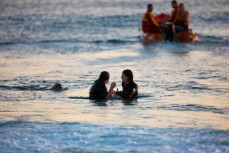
[{"x": 170, "y": 27}]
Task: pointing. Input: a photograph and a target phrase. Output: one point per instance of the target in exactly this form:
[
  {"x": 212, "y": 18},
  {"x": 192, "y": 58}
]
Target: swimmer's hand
[
  {"x": 113, "y": 84},
  {"x": 115, "y": 92},
  {"x": 111, "y": 91}
]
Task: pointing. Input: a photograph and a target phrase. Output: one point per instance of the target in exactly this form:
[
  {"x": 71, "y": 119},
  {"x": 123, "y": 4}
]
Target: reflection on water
[{"x": 162, "y": 113}]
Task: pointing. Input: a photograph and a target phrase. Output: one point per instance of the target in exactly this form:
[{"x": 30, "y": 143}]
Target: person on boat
[
  {"x": 170, "y": 24},
  {"x": 98, "y": 91},
  {"x": 174, "y": 13},
  {"x": 182, "y": 22},
  {"x": 130, "y": 88},
  {"x": 149, "y": 24}
]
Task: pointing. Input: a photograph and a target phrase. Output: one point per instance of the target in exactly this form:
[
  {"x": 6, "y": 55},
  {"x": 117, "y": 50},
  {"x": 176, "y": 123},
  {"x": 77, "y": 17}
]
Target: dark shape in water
[{"x": 57, "y": 87}]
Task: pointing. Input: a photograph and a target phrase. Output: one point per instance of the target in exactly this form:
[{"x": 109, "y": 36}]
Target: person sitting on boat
[
  {"x": 98, "y": 90},
  {"x": 182, "y": 22},
  {"x": 149, "y": 24}
]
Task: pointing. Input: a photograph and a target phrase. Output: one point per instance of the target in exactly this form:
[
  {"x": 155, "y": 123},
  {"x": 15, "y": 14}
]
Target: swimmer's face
[
  {"x": 124, "y": 78},
  {"x": 106, "y": 81}
]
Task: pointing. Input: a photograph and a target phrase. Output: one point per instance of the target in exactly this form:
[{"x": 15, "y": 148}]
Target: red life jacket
[
  {"x": 174, "y": 15},
  {"x": 149, "y": 24}
]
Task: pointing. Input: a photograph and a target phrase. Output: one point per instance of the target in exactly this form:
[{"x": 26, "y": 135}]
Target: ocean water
[{"x": 183, "y": 103}]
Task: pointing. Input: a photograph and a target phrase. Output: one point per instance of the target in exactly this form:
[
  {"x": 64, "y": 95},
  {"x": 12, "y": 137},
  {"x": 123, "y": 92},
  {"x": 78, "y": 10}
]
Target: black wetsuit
[
  {"x": 127, "y": 92},
  {"x": 98, "y": 91}
]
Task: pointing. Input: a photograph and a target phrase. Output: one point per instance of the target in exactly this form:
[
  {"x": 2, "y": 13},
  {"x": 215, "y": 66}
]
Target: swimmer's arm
[
  {"x": 135, "y": 91},
  {"x": 111, "y": 90},
  {"x": 124, "y": 94}
]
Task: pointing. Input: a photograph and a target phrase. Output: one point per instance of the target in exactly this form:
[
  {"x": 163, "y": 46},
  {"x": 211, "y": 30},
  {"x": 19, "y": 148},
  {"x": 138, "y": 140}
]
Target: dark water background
[{"x": 183, "y": 103}]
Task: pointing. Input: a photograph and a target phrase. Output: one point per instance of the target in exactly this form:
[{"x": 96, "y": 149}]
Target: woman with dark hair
[
  {"x": 130, "y": 88},
  {"x": 98, "y": 90},
  {"x": 182, "y": 21}
]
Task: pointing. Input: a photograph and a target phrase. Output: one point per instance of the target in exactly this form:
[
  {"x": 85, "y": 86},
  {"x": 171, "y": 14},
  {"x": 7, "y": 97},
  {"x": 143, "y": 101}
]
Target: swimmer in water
[
  {"x": 130, "y": 88},
  {"x": 98, "y": 91}
]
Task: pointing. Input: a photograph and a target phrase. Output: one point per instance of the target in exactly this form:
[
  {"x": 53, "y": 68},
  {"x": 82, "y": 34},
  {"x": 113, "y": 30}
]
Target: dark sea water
[{"x": 183, "y": 103}]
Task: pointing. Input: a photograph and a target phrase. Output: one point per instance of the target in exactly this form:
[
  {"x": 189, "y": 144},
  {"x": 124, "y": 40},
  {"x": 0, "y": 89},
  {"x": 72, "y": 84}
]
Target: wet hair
[
  {"x": 129, "y": 74},
  {"x": 104, "y": 76}
]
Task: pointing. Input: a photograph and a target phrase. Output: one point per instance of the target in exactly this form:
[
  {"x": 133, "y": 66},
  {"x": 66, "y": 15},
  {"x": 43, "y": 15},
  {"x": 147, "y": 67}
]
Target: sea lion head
[{"x": 57, "y": 87}]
